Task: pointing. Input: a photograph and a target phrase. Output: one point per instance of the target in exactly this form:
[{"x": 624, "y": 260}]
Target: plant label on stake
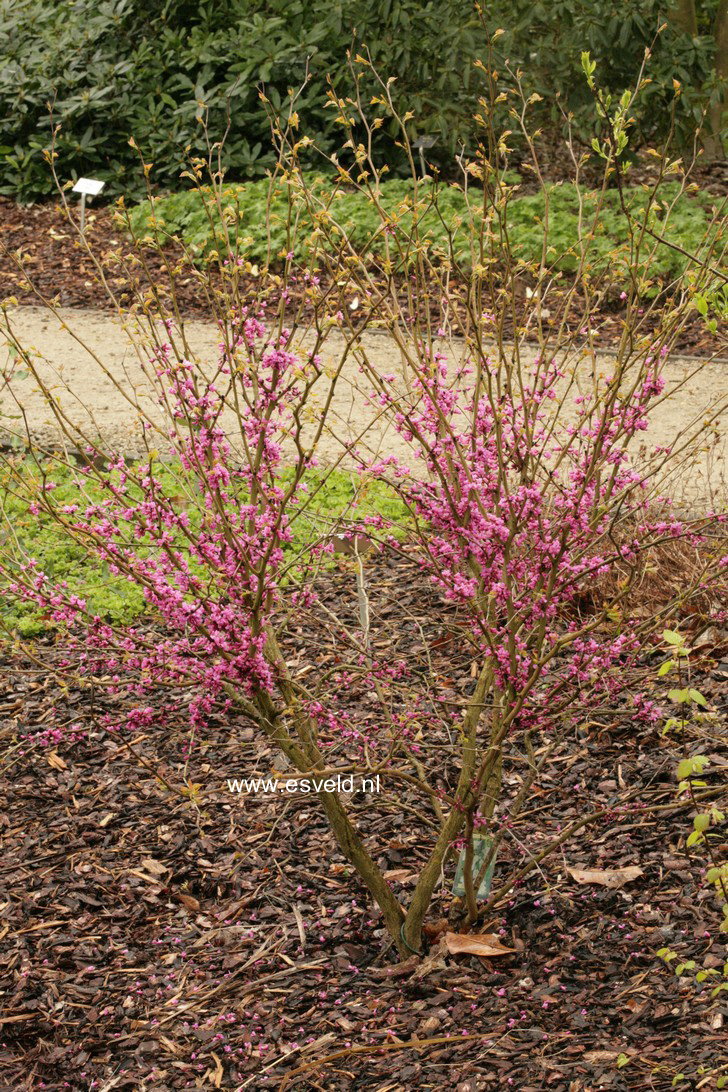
[
  {"x": 481, "y": 848},
  {"x": 87, "y": 187}
]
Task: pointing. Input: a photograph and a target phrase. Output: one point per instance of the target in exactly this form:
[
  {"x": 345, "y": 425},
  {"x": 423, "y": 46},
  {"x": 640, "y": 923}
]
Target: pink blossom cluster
[
  {"x": 208, "y": 568},
  {"x": 525, "y": 502}
]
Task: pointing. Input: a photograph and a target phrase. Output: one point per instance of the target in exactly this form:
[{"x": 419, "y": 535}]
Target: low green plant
[
  {"x": 25, "y": 534},
  {"x": 705, "y": 833},
  {"x": 257, "y": 215},
  {"x": 713, "y": 306}
]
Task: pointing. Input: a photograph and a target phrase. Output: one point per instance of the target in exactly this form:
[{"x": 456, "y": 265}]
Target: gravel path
[{"x": 104, "y": 403}]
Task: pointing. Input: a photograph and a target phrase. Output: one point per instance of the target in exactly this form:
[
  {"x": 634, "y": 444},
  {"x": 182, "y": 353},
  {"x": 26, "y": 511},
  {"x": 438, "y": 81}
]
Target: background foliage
[
  {"x": 121, "y": 67},
  {"x": 544, "y": 40}
]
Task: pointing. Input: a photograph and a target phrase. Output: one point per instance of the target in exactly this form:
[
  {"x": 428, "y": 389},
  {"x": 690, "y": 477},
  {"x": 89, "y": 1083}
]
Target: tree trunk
[
  {"x": 354, "y": 850},
  {"x": 719, "y": 110},
  {"x": 684, "y": 16},
  {"x": 303, "y": 753}
]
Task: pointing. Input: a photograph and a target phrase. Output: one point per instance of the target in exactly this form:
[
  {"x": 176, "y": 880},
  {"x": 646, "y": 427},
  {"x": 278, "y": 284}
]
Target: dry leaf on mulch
[
  {"x": 485, "y": 944},
  {"x": 606, "y": 877}
]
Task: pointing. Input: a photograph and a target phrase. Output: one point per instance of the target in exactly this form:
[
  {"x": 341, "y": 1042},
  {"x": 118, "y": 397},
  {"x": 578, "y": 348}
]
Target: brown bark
[
  {"x": 354, "y": 850},
  {"x": 719, "y": 110},
  {"x": 454, "y": 820},
  {"x": 684, "y": 16}
]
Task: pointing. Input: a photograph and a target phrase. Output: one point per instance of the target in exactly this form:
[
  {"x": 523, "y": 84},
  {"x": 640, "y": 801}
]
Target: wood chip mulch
[{"x": 157, "y": 935}]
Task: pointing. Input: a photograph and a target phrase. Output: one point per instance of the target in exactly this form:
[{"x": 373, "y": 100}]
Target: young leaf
[{"x": 689, "y": 766}]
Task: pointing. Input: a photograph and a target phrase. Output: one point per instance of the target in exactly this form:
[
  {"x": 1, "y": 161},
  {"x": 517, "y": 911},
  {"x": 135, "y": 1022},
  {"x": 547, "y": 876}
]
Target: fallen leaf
[
  {"x": 395, "y": 970},
  {"x": 433, "y": 961},
  {"x": 712, "y": 636},
  {"x": 399, "y": 875},
  {"x": 217, "y": 1076},
  {"x": 323, "y": 1040},
  {"x": 596, "y": 1056},
  {"x": 482, "y": 944},
  {"x": 144, "y": 876},
  {"x": 300, "y": 926},
  {"x": 188, "y": 901},
  {"x": 607, "y": 877},
  {"x": 434, "y": 929}
]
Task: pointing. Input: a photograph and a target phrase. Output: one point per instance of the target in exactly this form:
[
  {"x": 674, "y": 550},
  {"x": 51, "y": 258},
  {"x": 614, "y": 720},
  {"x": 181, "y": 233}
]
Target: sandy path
[{"x": 103, "y": 403}]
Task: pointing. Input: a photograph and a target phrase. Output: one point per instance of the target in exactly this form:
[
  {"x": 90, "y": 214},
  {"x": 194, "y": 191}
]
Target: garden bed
[{"x": 166, "y": 933}]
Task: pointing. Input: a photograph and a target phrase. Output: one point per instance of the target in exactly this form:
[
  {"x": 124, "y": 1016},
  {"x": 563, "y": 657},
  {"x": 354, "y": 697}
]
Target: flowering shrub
[{"x": 533, "y": 512}]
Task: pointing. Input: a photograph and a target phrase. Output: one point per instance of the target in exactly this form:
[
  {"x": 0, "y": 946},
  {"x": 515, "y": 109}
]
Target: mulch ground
[
  {"x": 60, "y": 270},
  {"x": 152, "y": 939}
]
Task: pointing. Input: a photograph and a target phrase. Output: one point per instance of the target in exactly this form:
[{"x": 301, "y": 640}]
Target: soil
[
  {"x": 151, "y": 938},
  {"x": 41, "y": 237}
]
